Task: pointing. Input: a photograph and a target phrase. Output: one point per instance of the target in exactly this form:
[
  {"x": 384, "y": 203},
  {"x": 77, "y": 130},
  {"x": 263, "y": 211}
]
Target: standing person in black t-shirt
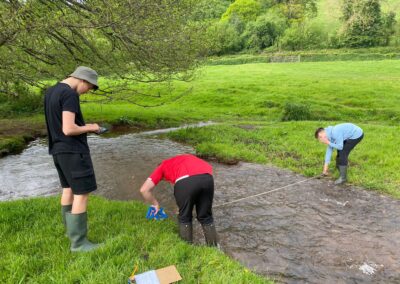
[{"x": 67, "y": 133}]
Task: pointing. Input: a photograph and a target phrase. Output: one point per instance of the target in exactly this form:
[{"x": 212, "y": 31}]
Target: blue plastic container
[{"x": 161, "y": 215}]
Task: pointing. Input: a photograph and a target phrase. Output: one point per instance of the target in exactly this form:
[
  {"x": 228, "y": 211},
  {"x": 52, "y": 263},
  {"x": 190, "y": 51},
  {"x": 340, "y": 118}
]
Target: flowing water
[{"x": 312, "y": 232}]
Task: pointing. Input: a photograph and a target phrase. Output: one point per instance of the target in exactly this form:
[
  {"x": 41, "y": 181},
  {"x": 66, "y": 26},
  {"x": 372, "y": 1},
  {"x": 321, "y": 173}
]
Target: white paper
[{"x": 149, "y": 277}]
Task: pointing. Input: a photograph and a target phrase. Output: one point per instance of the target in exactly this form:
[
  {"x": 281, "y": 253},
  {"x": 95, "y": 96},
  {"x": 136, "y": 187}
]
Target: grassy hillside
[{"x": 329, "y": 11}]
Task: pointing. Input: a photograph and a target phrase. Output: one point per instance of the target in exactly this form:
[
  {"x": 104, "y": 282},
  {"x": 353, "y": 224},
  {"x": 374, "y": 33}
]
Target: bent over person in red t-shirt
[{"x": 193, "y": 187}]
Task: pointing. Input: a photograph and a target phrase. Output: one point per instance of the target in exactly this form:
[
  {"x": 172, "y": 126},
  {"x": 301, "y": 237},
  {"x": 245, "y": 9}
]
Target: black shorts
[{"x": 76, "y": 171}]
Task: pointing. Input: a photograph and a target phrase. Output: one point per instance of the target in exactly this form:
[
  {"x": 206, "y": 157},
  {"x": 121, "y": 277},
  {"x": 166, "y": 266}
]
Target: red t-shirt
[{"x": 179, "y": 167}]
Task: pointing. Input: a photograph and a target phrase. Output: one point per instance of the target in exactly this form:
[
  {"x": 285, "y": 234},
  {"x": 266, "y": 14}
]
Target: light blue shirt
[{"x": 338, "y": 134}]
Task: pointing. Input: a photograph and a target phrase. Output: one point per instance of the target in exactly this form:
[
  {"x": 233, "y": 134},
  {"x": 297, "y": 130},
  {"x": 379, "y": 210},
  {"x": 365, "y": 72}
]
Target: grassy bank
[
  {"x": 35, "y": 250},
  {"x": 15, "y": 133},
  {"x": 374, "y": 164}
]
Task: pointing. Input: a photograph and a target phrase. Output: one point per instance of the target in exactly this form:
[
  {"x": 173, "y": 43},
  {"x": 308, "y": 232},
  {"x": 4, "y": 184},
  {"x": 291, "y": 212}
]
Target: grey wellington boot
[
  {"x": 186, "y": 232},
  {"x": 343, "y": 175},
  {"x": 77, "y": 232},
  {"x": 210, "y": 234},
  {"x": 64, "y": 210}
]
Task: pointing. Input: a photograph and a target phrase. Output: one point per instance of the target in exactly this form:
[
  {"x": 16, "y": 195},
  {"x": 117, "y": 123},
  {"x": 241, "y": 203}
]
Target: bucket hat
[{"x": 87, "y": 74}]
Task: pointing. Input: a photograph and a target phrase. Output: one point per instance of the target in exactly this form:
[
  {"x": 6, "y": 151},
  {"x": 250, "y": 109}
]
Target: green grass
[
  {"x": 362, "y": 92},
  {"x": 329, "y": 13},
  {"x": 15, "y": 133},
  {"x": 34, "y": 249},
  {"x": 13, "y": 144},
  {"x": 319, "y": 55},
  {"x": 374, "y": 164}
]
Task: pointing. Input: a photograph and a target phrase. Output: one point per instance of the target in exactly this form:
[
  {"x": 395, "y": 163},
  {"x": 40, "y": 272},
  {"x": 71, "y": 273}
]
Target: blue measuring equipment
[{"x": 161, "y": 215}]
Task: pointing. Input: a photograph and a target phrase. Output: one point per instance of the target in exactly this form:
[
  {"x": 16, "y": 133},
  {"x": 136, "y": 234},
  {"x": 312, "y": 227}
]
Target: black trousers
[
  {"x": 195, "y": 191},
  {"x": 342, "y": 158}
]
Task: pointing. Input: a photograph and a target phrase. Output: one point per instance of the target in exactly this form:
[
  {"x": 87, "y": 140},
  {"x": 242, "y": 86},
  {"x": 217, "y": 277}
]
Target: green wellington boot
[
  {"x": 210, "y": 234},
  {"x": 343, "y": 175},
  {"x": 186, "y": 232},
  {"x": 77, "y": 232},
  {"x": 64, "y": 210}
]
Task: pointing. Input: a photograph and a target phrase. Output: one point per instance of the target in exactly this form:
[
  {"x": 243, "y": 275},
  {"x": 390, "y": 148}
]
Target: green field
[
  {"x": 363, "y": 92},
  {"x": 35, "y": 250}
]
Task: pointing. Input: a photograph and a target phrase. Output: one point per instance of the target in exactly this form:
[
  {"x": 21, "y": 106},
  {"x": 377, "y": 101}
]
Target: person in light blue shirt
[{"x": 342, "y": 137}]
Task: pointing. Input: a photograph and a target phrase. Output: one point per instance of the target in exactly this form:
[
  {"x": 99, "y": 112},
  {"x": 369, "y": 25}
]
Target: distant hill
[{"x": 329, "y": 11}]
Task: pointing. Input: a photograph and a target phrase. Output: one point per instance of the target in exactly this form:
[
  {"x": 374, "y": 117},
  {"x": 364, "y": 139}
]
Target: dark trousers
[
  {"x": 342, "y": 158},
  {"x": 195, "y": 191}
]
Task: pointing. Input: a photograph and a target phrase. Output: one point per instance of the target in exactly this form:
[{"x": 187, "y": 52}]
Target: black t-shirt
[{"x": 61, "y": 98}]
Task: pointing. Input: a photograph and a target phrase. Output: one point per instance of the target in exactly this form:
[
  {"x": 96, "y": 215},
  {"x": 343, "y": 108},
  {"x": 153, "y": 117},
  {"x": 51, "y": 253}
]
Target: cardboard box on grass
[{"x": 164, "y": 275}]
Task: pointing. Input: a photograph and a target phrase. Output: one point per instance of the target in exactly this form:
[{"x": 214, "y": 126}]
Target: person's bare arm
[
  {"x": 147, "y": 192},
  {"x": 69, "y": 127},
  {"x": 325, "y": 171}
]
